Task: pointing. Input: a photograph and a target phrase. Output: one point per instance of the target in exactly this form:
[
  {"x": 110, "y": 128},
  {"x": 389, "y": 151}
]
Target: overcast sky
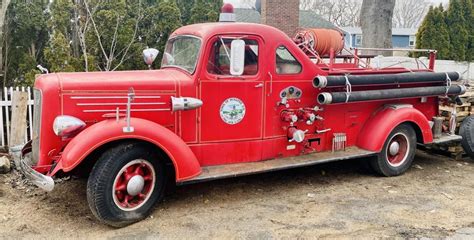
[{"x": 238, "y": 3}]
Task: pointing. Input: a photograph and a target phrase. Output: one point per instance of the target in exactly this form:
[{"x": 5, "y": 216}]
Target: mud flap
[{"x": 467, "y": 132}]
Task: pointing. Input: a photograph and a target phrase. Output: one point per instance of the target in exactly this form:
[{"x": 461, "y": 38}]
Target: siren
[{"x": 227, "y": 13}]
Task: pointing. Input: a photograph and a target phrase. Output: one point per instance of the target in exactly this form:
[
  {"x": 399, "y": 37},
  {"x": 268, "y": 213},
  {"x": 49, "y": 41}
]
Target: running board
[
  {"x": 210, "y": 173},
  {"x": 446, "y": 138}
]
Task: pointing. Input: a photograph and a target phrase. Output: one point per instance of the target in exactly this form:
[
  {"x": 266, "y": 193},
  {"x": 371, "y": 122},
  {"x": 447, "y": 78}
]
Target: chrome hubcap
[
  {"x": 394, "y": 148},
  {"x": 398, "y": 150},
  {"x": 135, "y": 185}
]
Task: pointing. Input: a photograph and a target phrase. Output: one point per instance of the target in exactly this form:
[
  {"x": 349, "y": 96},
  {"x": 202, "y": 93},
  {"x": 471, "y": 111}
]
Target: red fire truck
[{"x": 231, "y": 99}]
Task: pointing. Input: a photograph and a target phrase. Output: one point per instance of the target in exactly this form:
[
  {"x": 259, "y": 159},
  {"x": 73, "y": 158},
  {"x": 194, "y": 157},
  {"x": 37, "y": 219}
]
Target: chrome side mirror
[
  {"x": 237, "y": 57},
  {"x": 149, "y": 56},
  {"x": 169, "y": 59}
]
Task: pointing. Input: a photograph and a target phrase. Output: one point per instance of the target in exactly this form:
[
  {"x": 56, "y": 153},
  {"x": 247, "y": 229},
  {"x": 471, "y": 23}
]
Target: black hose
[
  {"x": 415, "y": 77},
  {"x": 341, "y": 97}
]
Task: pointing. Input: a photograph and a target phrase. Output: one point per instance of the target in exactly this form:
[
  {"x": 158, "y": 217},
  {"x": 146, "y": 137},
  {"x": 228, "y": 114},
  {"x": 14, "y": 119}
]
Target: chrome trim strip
[
  {"x": 112, "y": 97},
  {"x": 119, "y": 104},
  {"x": 37, "y": 112},
  {"x": 124, "y": 110},
  {"x": 398, "y": 106}
]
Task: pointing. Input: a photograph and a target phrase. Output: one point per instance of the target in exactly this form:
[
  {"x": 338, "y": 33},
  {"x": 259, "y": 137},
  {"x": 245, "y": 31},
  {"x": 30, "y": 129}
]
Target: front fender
[
  {"x": 184, "y": 160},
  {"x": 377, "y": 128}
]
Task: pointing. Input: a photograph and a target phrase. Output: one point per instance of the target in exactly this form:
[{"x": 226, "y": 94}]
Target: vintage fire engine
[{"x": 231, "y": 99}]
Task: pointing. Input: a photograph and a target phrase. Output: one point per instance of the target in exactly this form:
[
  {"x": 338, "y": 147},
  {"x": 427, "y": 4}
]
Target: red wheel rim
[
  {"x": 134, "y": 185},
  {"x": 397, "y": 150}
]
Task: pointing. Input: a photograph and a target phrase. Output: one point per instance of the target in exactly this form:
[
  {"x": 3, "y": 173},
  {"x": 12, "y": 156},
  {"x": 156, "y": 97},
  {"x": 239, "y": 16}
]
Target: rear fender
[
  {"x": 95, "y": 136},
  {"x": 377, "y": 128}
]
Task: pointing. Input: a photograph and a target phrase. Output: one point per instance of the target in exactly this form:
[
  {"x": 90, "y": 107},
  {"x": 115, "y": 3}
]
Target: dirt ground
[{"x": 434, "y": 199}]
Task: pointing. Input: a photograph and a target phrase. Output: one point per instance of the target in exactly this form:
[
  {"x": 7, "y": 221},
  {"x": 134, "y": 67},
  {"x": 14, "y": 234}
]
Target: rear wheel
[
  {"x": 125, "y": 184},
  {"x": 467, "y": 132},
  {"x": 397, "y": 153}
]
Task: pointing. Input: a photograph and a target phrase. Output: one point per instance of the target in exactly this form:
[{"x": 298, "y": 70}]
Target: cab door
[{"x": 232, "y": 105}]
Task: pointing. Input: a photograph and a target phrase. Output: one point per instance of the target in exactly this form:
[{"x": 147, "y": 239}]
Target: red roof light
[
  {"x": 227, "y": 8},
  {"x": 227, "y": 13}
]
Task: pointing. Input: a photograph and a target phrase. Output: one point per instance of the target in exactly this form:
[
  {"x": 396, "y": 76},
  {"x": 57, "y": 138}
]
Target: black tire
[
  {"x": 113, "y": 207},
  {"x": 467, "y": 132},
  {"x": 387, "y": 163}
]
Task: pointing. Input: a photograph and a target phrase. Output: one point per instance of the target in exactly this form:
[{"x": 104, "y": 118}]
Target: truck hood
[{"x": 162, "y": 80}]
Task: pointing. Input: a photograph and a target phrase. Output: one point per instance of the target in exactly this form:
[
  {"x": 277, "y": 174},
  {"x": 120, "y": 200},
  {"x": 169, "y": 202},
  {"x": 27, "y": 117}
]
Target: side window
[
  {"x": 358, "y": 40},
  {"x": 285, "y": 62},
  {"x": 219, "y": 62},
  {"x": 412, "y": 40}
]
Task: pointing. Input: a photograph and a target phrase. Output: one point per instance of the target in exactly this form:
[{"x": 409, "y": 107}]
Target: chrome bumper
[{"x": 42, "y": 181}]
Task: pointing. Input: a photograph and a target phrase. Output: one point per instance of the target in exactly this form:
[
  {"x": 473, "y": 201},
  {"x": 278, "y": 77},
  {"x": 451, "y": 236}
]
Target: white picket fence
[{"x": 5, "y": 113}]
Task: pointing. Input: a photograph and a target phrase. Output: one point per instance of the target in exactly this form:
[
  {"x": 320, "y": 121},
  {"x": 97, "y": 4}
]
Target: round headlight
[{"x": 67, "y": 126}]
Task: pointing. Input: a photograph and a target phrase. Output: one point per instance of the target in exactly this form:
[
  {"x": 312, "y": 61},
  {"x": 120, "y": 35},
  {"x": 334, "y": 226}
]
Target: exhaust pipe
[
  {"x": 379, "y": 79},
  {"x": 399, "y": 93}
]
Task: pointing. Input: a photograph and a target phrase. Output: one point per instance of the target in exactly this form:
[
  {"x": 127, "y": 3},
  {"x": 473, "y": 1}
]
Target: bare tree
[
  {"x": 340, "y": 12},
  {"x": 248, "y": 3},
  {"x": 3, "y": 13},
  {"x": 4, "y": 48},
  {"x": 114, "y": 58},
  {"x": 80, "y": 30},
  {"x": 409, "y": 13},
  {"x": 3, "y": 10},
  {"x": 376, "y": 21},
  {"x": 349, "y": 13}
]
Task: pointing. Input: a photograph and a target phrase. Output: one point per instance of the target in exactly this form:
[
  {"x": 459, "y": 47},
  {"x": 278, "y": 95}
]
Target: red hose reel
[{"x": 320, "y": 40}]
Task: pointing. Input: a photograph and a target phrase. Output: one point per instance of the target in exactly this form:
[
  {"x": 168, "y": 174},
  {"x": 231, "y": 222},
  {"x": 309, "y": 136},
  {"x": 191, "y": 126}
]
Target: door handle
[
  {"x": 259, "y": 85},
  {"x": 271, "y": 83}
]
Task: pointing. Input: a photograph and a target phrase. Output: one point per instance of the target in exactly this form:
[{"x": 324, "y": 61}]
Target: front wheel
[
  {"x": 125, "y": 184},
  {"x": 397, "y": 153}
]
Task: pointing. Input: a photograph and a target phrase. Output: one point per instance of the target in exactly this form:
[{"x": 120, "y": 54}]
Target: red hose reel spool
[{"x": 321, "y": 40}]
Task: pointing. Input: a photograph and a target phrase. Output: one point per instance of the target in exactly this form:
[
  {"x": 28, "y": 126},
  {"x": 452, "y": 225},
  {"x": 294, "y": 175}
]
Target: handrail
[
  {"x": 396, "y": 49},
  {"x": 432, "y": 53}
]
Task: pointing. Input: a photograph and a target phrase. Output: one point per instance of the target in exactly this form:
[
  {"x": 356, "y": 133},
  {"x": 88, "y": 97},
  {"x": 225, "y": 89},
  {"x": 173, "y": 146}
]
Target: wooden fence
[{"x": 5, "y": 114}]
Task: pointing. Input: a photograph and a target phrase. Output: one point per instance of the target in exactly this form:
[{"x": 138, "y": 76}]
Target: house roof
[
  {"x": 404, "y": 31},
  {"x": 308, "y": 19},
  {"x": 352, "y": 30},
  {"x": 395, "y": 31},
  {"x": 247, "y": 15}
]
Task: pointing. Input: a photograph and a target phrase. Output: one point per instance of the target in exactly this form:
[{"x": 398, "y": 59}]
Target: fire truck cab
[{"x": 230, "y": 99}]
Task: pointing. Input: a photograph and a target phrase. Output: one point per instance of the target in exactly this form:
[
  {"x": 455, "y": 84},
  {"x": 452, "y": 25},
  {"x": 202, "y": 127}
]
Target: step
[
  {"x": 446, "y": 138},
  {"x": 210, "y": 173}
]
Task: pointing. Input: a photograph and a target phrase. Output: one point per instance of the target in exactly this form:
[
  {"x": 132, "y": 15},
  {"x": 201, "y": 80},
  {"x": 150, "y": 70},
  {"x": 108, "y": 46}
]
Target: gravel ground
[{"x": 433, "y": 199}]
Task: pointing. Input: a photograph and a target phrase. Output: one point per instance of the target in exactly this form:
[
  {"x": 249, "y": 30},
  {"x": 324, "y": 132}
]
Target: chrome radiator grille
[{"x": 36, "y": 125}]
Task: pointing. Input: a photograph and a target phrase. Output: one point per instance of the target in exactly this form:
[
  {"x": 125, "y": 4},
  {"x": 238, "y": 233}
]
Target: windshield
[{"x": 182, "y": 52}]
